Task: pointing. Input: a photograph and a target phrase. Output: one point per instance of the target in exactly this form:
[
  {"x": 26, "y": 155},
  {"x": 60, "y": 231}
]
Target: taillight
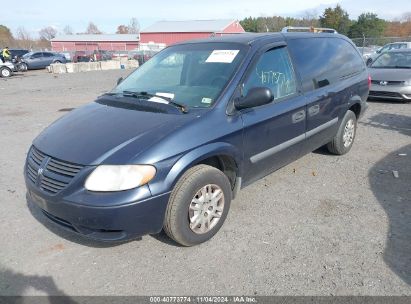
[{"x": 369, "y": 81}]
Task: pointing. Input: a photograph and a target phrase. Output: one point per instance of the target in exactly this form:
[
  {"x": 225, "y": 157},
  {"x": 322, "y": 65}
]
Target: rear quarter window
[{"x": 324, "y": 61}]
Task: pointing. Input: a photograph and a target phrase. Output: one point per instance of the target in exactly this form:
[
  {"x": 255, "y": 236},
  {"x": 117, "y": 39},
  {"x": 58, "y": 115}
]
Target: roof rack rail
[{"x": 308, "y": 29}]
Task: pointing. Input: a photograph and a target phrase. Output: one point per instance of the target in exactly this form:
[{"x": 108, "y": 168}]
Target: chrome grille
[{"x": 56, "y": 174}]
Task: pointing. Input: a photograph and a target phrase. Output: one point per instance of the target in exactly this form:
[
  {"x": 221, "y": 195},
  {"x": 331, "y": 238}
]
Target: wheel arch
[{"x": 222, "y": 156}]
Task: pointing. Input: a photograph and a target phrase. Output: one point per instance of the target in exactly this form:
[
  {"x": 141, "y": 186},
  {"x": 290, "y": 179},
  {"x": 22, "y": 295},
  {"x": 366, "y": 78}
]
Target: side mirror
[
  {"x": 378, "y": 51},
  {"x": 255, "y": 97},
  {"x": 119, "y": 80}
]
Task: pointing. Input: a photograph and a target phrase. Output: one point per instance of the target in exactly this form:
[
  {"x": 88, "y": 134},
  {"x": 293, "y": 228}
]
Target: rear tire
[
  {"x": 5, "y": 72},
  {"x": 344, "y": 139},
  {"x": 198, "y": 205}
]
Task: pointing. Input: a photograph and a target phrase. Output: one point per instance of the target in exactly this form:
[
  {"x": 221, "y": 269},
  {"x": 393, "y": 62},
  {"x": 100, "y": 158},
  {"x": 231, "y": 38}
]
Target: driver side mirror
[
  {"x": 255, "y": 97},
  {"x": 119, "y": 80},
  {"x": 378, "y": 51}
]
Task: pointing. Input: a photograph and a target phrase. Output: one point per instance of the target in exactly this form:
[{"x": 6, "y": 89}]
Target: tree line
[{"x": 368, "y": 24}]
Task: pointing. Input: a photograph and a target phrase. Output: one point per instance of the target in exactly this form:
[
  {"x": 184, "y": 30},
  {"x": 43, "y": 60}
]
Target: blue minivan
[{"x": 172, "y": 144}]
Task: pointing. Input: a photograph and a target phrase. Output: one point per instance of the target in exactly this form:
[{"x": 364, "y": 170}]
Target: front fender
[{"x": 168, "y": 176}]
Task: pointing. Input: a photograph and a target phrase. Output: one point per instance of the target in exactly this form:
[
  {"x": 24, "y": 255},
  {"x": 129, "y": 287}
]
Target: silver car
[
  {"x": 391, "y": 76},
  {"x": 40, "y": 60},
  {"x": 6, "y": 68},
  {"x": 386, "y": 48}
]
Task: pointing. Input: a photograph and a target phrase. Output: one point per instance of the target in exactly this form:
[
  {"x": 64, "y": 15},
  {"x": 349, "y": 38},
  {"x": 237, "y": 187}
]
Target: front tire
[
  {"x": 5, "y": 72},
  {"x": 198, "y": 205},
  {"x": 344, "y": 139}
]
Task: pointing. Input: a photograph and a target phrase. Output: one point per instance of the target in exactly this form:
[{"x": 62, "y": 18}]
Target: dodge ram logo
[{"x": 40, "y": 171}]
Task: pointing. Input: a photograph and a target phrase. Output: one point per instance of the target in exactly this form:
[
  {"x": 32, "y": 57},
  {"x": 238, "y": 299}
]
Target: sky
[{"x": 107, "y": 15}]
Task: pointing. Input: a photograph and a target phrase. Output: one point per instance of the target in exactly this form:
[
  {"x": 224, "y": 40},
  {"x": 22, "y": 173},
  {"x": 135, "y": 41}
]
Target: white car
[
  {"x": 6, "y": 69},
  {"x": 386, "y": 48}
]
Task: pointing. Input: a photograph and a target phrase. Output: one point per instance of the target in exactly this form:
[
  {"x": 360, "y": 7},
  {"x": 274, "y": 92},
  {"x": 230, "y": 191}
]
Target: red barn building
[
  {"x": 169, "y": 32},
  {"x": 86, "y": 42}
]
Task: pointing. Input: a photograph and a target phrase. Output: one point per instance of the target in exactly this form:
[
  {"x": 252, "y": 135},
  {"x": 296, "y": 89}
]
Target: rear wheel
[
  {"x": 344, "y": 139},
  {"x": 57, "y": 61},
  {"x": 198, "y": 205},
  {"x": 5, "y": 72}
]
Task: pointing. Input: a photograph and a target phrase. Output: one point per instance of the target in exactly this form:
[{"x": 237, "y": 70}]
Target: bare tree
[
  {"x": 134, "y": 27},
  {"x": 47, "y": 33},
  {"x": 68, "y": 30},
  {"x": 24, "y": 40},
  {"x": 122, "y": 29},
  {"x": 92, "y": 29}
]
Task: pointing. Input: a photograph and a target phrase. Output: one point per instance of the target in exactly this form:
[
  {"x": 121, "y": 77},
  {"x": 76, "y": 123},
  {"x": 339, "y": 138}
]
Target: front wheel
[
  {"x": 198, "y": 205},
  {"x": 5, "y": 72},
  {"x": 23, "y": 67},
  {"x": 344, "y": 139}
]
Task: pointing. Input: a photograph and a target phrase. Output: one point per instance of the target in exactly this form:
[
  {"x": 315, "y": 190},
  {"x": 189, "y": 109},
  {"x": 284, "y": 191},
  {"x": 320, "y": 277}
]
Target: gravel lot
[{"x": 323, "y": 225}]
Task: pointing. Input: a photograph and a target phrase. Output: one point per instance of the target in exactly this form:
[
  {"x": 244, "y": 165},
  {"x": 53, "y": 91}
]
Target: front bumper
[
  {"x": 390, "y": 92},
  {"x": 110, "y": 222}
]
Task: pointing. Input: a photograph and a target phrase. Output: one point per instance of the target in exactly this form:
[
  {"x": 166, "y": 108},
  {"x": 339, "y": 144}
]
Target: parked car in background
[
  {"x": 6, "y": 69},
  {"x": 18, "y": 52},
  {"x": 40, "y": 60},
  {"x": 386, "y": 48},
  {"x": 391, "y": 76},
  {"x": 367, "y": 51},
  {"x": 172, "y": 144},
  {"x": 141, "y": 56}
]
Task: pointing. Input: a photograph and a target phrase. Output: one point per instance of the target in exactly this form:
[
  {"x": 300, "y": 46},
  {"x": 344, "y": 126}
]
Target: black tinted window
[
  {"x": 47, "y": 54},
  {"x": 37, "y": 55},
  {"x": 274, "y": 71},
  {"x": 323, "y": 61}
]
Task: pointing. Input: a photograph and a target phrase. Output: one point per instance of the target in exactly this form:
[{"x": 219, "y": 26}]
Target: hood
[
  {"x": 95, "y": 133},
  {"x": 390, "y": 74}
]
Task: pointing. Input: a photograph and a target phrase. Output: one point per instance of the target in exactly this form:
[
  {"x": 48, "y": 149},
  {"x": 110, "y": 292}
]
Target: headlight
[{"x": 118, "y": 178}]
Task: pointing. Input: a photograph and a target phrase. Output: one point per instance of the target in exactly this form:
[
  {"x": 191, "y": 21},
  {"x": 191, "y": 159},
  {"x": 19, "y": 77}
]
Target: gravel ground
[{"x": 323, "y": 225}]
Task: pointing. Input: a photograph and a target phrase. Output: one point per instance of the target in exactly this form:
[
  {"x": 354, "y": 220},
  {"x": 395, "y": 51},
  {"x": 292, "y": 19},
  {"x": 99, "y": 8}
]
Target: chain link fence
[{"x": 378, "y": 41}]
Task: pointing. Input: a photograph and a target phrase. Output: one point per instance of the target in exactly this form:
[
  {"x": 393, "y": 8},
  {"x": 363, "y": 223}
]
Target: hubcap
[
  {"x": 349, "y": 131},
  {"x": 6, "y": 73},
  {"x": 206, "y": 208}
]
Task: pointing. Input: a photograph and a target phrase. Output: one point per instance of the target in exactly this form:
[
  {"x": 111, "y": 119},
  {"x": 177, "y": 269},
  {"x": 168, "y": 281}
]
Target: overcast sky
[{"x": 34, "y": 15}]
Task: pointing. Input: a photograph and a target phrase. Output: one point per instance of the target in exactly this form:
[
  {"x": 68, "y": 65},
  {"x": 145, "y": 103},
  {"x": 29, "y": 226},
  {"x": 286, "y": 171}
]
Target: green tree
[
  {"x": 367, "y": 24},
  {"x": 336, "y": 18},
  {"x": 249, "y": 24},
  {"x": 5, "y": 36}
]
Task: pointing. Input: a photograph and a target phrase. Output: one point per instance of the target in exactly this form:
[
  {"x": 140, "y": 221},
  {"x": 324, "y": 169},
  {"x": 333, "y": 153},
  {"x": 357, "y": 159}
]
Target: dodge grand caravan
[{"x": 172, "y": 144}]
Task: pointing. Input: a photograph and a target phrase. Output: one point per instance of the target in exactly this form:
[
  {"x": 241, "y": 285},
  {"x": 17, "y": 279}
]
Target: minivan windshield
[
  {"x": 393, "y": 60},
  {"x": 189, "y": 74}
]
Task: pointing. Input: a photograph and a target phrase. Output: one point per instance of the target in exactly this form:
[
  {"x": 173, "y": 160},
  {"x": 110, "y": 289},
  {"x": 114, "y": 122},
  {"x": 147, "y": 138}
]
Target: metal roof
[
  {"x": 191, "y": 26},
  {"x": 98, "y": 37}
]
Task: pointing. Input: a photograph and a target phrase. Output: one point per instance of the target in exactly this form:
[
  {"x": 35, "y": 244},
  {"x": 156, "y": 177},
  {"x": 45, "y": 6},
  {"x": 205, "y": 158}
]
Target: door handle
[
  {"x": 298, "y": 116},
  {"x": 314, "y": 110}
]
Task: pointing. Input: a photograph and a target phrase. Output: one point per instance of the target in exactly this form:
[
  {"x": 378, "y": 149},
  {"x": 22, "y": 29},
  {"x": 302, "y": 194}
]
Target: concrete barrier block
[
  {"x": 110, "y": 65},
  {"x": 58, "y": 68},
  {"x": 132, "y": 64},
  {"x": 70, "y": 67}
]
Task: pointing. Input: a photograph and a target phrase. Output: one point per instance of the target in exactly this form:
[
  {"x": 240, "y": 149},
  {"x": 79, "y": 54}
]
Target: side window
[
  {"x": 274, "y": 71},
  {"x": 324, "y": 61},
  {"x": 37, "y": 55},
  {"x": 47, "y": 54}
]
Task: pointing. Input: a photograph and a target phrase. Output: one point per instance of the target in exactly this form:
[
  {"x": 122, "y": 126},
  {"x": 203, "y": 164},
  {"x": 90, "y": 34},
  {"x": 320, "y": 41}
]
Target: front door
[{"x": 274, "y": 133}]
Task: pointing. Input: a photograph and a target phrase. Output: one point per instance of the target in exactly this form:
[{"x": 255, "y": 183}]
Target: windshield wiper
[{"x": 181, "y": 106}]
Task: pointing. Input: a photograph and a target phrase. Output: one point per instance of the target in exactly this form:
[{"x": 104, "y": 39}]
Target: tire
[
  {"x": 57, "y": 61},
  {"x": 5, "y": 72},
  {"x": 190, "y": 223},
  {"x": 344, "y": 139},
  {"x": 23, "y": 67}
]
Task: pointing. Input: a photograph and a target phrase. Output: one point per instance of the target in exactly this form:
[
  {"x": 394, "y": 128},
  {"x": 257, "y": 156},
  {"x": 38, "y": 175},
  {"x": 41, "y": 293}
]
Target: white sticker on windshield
[
  {"x": 161, "y": 100},
  {"x": 223, "y": 56},
  {"x": 206, "y": 100}
]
